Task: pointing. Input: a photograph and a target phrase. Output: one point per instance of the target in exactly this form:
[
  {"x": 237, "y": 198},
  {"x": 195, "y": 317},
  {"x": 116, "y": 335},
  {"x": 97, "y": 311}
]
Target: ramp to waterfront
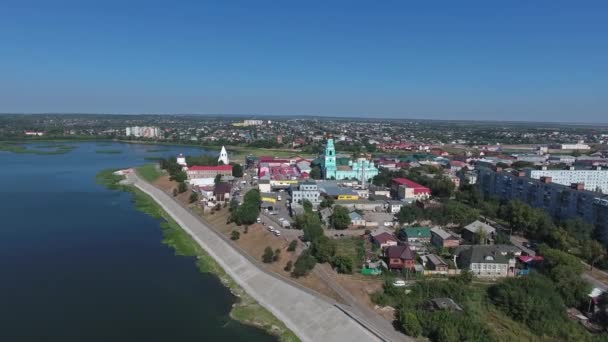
[{"x": 311, "y": 318}]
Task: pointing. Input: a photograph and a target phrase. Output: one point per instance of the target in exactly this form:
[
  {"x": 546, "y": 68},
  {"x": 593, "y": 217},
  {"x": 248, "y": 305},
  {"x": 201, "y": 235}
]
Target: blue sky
[{"x": 507, "y": 60}]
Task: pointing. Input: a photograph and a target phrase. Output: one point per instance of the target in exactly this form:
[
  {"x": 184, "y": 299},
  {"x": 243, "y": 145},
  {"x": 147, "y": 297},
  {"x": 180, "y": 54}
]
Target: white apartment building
[
  {"x": 594, "y": 180},
  {"x": 577, "y": 146},
  {"x": 144, "y": 131}
]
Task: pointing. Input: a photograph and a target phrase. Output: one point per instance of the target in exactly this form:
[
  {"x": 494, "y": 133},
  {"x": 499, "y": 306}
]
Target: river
[{"x": 79, "y": 263}]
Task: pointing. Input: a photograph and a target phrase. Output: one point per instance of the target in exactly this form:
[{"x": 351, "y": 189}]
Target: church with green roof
[{"x": 348, "y": 169}]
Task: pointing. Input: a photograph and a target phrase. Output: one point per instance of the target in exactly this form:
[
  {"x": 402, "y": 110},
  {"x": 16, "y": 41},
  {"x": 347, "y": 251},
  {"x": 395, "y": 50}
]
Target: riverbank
[{"x": 246, "y": 309}]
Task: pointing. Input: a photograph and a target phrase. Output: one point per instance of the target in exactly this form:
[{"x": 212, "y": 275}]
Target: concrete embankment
[{"x": 309, "y": 317}]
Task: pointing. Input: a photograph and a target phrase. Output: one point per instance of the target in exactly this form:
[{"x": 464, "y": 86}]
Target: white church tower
[{"x": 223, "y": 156}]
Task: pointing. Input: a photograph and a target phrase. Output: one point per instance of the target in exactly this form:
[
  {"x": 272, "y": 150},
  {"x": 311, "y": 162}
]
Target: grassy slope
[
  {"x": 246, "y": 310},
  {"x": 149, "y": 172},
  {"x": 352, "y": 248}
]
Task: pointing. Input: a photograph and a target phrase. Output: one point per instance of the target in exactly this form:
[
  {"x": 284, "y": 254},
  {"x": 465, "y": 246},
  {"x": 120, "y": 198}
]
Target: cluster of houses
[{"x": 432, "y": 251}]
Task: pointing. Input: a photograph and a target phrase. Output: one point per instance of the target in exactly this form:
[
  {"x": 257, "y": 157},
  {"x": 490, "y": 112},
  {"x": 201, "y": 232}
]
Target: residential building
[
  {"x": 472, "y": 231},
  {"x": 493, "y": 261},
  {"x": 594, "y": 180},
  {"x": 443, "y": 239},
  {"x": 384, "y": 240},
  {"x": 143, "y": 132},
  {"x": 221, "y": 192},
  {"x": 356, "y": 220},
  {"x": 560, "y": 201},
  {"x": 404, "y": 189},
  {"x": 415, "y": 234},
  {"x": 435, "y": 263},
  {"x": 394, "y": 206},
  {"x": 400, "y": 257},
  {"x": 197, "y": 171}
]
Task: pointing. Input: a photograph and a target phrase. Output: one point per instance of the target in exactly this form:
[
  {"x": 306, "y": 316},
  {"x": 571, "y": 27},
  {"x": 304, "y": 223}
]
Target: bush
[
  {"x": 277, "y": 255},
  {"x": 182, "y": 187},
  {"x": 235, "y": 235},
  {"x": 193, "y": 197},
  {"x": 292, "y": 246},
  {"x": 288, "y": 266},
  {"x": 410, "y": 324},
  {"x": 532, "y": 300},
  {"x": 268, "y": 255},
  {"x": 175, "y": 192}
]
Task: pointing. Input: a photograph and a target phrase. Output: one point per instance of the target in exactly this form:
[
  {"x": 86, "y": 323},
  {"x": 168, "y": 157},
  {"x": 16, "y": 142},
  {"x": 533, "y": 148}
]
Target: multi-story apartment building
[
  {"x": 560, "y": 201},
  {"x": 144, "y": 131},
  {"x": 593, "y": 180}
]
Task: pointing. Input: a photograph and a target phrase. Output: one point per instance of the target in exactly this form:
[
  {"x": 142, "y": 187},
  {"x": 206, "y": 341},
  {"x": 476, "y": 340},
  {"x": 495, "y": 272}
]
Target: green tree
[
  {"x": 182, "y": 187},
  {"x": 593, "y": 252},
  {"x": 179, "y": 176},
  {"x": 408, "y": 214},
  {"x": 303, "y": 264},
  {"x": 315, "y": 172},
  {"x": 235, "y": 235},
  {"x": 218, "y": 179},
  {"x": 340, "y": 218},
  {"x": 579, "y": 229},
  {"x": 411, "y": 325},
  {"x": 237, "y": 170},
  {"x": 193, "y": 197},
  {"x": 268, "y": 255},
  {"x": 342, "y": 264},
  {"x": 292, "y": 246},
  {"x": 327, "y": 202},
  {"x": 307, "y": 206},
  {"x": 323, "y": 249}
]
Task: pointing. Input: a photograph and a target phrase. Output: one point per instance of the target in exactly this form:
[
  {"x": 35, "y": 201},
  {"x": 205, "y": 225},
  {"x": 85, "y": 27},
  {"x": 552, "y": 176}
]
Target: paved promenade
[{"x": 309, "y": 317}]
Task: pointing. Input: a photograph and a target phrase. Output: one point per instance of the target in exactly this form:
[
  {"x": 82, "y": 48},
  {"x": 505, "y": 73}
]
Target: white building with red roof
[
  {"x": 406, "y": 189},
  {"x": 198, "y": 171}
]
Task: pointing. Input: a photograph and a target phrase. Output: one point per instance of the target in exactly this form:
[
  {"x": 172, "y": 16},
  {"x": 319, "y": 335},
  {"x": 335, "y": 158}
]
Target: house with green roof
[{"x": 415, "y": 234}]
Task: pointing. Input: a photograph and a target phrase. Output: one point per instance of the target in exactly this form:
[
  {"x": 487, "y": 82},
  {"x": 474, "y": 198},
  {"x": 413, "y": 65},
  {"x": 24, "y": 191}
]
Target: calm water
[{"x": 79, "y": 263}]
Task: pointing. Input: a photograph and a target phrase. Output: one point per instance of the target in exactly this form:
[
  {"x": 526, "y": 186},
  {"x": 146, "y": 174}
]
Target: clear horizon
[{"x": 541, "y": 62}]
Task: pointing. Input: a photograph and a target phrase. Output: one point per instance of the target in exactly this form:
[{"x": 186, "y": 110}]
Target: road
[
  {"x": 360, "y": 308},
  {"x": 310, "y": 317}
]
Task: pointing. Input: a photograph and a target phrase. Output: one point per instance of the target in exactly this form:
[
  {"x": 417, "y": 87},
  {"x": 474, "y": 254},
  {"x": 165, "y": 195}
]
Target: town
[{"x": 405, "y": 222}]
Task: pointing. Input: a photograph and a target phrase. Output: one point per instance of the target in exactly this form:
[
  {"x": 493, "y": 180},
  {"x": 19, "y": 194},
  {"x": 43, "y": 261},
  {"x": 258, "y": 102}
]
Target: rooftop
[
  {"x": 411, "y": 184},
  {"x": 210, "y": 168}
]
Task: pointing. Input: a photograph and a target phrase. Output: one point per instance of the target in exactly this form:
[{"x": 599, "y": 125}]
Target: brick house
[{"x": 400, "y": 257}]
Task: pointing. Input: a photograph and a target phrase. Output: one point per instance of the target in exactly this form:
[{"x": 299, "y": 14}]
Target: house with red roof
[
  {"x": 384, "y": 240},
  {"x": 406, "y": 189},
  {"x": 400, "y": 257},
  {"x": 199, "y": 171}
]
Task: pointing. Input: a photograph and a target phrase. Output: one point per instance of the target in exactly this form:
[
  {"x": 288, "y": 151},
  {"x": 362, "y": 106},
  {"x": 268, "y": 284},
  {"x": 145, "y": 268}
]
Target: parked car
[
  {"x": 258, "y": 220},
  {"x": 271, "y": 228},
  {"x": 399, "y": 283},
  {"x": 277, "y": 233}
]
